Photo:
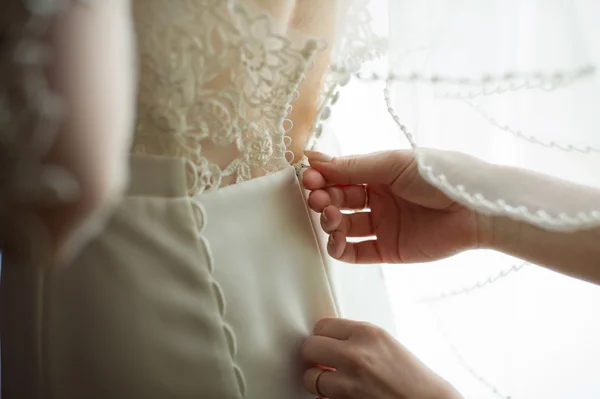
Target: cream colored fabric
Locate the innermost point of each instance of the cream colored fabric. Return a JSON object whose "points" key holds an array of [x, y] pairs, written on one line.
{"points": [[178, 298], [195, 289], [272, 276]]}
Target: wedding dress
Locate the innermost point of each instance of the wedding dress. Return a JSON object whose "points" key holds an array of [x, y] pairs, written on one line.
{"points": [[210, 273], [207, 275]]}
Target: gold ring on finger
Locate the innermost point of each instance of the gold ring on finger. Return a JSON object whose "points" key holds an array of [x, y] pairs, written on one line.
{"points": [[366, 206], [317, 378]]}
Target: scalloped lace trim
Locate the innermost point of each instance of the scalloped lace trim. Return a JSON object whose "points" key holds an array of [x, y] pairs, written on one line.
{"points": [[537, 217]]}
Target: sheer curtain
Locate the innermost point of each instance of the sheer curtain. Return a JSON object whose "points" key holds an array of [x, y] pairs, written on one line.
{"points": [[512, 327], [494, 326]]}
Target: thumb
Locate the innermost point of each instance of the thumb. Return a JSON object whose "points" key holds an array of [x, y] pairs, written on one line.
{"points": [[376, 168]]}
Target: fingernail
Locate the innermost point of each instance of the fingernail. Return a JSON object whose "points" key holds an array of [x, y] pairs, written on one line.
{"points": [[317, 156], [324, 216], [331, 240], [300, 175]]}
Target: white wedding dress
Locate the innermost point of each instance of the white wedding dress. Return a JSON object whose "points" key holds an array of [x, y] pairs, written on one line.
{"points": [[210, 273], [204, 277]]}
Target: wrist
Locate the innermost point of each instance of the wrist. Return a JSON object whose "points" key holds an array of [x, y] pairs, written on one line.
{"points": [[498, 232], [485, 225]]}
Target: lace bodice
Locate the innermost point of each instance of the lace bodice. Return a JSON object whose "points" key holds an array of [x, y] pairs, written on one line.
{"points": [[217, 82]]}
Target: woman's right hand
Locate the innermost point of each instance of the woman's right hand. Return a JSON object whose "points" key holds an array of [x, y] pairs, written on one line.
{"points": [[412, 221]]}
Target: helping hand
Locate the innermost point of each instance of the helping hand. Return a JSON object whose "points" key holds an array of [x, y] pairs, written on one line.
{"points": [[364, 361], [411, 220]]}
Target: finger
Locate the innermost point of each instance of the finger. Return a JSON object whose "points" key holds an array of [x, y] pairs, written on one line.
{"points": [[313, 180], [353, 252], [322, 351], [351, 225], [334, 327], [324, 383], [318, 200], [331, 219], [351, 197], [380, 167]]}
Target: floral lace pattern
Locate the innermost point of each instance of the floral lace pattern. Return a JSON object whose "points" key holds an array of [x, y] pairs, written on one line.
{"points": [[218, 79], [217, 83]]}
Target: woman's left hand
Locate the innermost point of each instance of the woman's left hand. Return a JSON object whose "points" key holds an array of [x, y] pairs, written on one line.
{"points": [[364, 361]]}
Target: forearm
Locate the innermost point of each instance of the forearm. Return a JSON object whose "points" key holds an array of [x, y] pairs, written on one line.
{"points": [[576, 254]]}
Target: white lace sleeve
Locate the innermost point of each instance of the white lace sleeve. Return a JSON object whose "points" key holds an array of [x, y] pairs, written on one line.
{"points": [[66, 107], [510, 83]]}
